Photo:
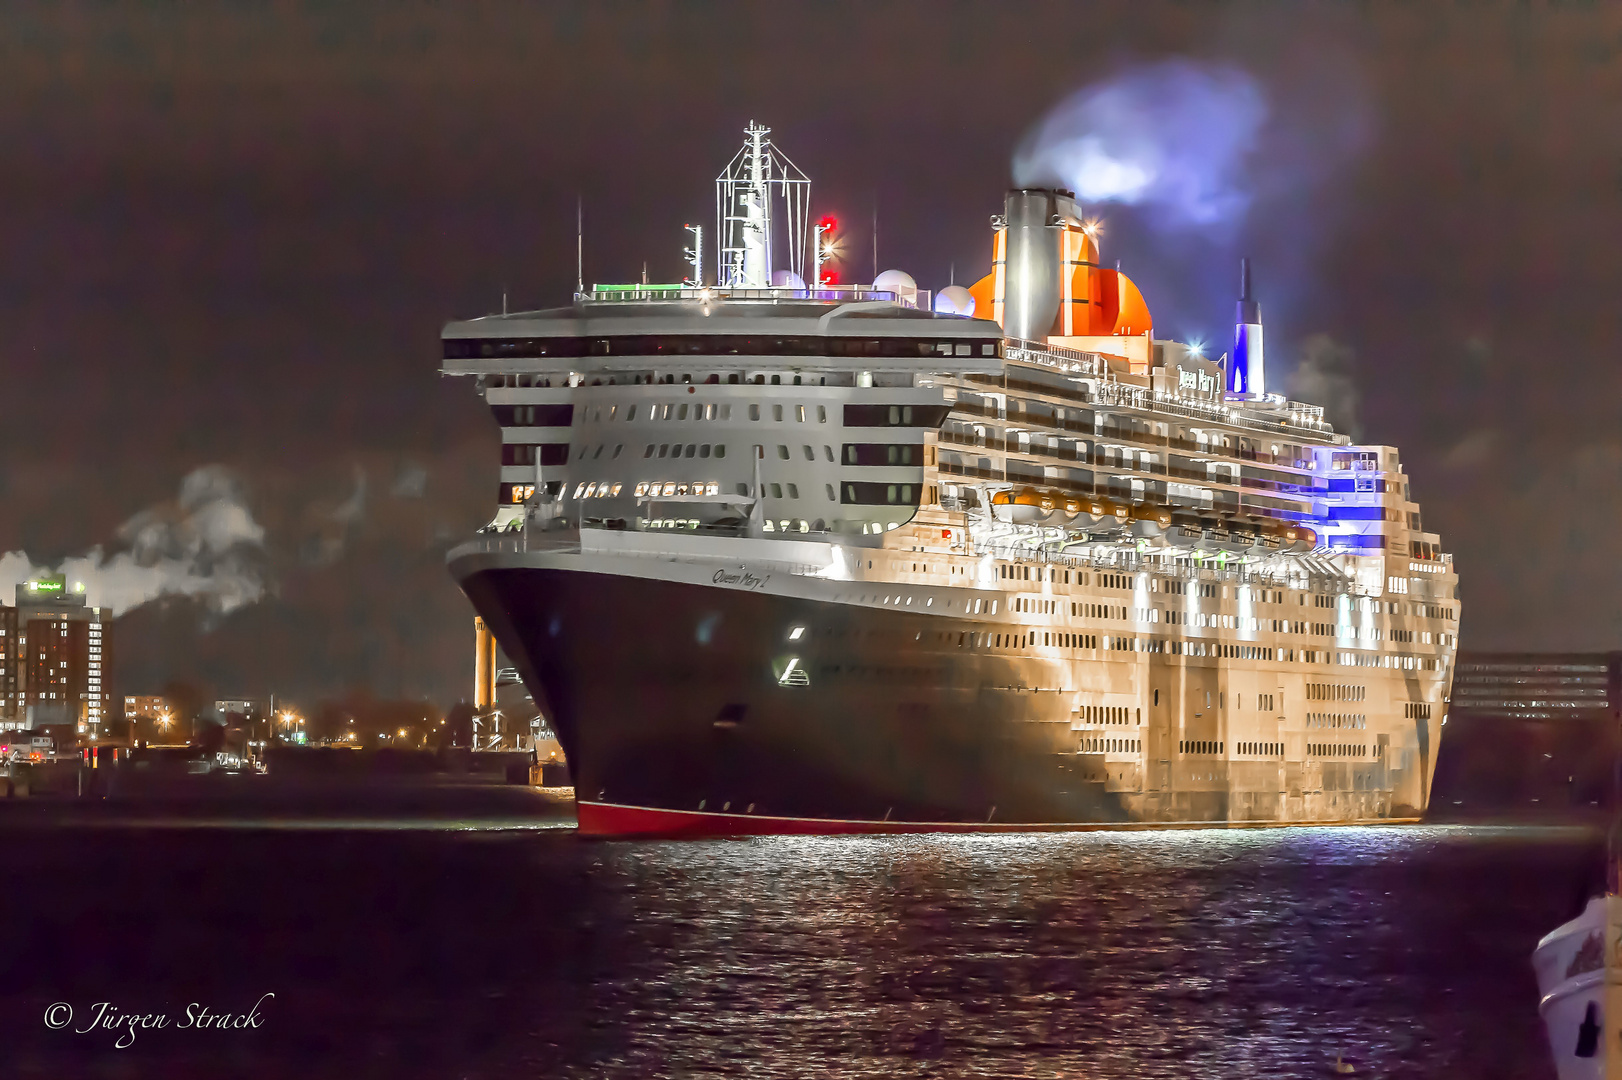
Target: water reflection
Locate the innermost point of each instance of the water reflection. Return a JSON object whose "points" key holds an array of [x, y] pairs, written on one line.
{"points": [[1234, 952], [448, 947]]}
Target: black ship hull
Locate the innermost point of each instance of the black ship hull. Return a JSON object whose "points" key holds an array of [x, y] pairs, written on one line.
{"points": [[680, 713]]}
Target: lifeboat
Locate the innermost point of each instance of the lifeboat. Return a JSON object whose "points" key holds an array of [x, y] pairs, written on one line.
{"points": [[1023, 506], [1242, 535], [1090, 514], [1271, 537], [1185, 530], [1293, 539], [1114, 519], [1213, 534], [1149, 520]]}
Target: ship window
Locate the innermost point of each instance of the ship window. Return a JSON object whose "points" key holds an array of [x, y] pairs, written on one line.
{"points": [[782, 451], [743, 489], [598, 454], [630, 413], [828, 452], [830, 488], [794, 492], [777, 380], [777, 413], [720, 450], [754, 412], [726, 412], [691, 450], [704, 451], [664, 449], [681, 412], [777, 491], [810, 454], [617, 448], [799, 410], [822, 414]]}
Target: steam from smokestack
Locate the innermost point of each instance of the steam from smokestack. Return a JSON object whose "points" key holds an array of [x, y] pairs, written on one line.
{"points": [[1195, 163], [205, 545], [1173, 137]]}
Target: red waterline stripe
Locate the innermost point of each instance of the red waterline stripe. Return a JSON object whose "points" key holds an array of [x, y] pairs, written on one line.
{"points": [[615, 820]]}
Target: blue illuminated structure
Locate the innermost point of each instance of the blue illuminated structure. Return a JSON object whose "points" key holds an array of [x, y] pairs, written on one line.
{"points": [[1246, 374]]}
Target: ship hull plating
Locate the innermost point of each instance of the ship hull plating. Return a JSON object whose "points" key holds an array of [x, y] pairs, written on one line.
{"points": [[686, 709]]}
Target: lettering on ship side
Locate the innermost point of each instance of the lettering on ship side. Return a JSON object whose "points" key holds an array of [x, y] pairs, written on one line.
{"points": [[743, 579]]}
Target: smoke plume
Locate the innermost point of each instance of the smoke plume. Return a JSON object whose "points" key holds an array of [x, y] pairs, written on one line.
{"points": [[1173, 137], [1195, 163], [205, 545]]}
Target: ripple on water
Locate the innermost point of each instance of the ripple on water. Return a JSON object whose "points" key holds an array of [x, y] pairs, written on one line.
{"points": [[1235, 952]]}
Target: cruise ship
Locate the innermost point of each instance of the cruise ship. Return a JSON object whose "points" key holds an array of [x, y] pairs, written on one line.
{"points": [[777, 557]]}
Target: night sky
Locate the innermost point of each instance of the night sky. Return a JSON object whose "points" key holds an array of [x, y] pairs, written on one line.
{"points": [[230, 238]]}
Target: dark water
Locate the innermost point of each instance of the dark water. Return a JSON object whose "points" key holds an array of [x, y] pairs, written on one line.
{"points": [[410, 948]]}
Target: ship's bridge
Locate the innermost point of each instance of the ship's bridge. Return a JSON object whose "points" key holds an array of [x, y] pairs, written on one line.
{"points": [[837, 335], [769, 411]]}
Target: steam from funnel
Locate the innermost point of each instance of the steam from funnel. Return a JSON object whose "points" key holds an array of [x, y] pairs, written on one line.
{"points": [[1172, 137], [1197, 163], [205, 545]]}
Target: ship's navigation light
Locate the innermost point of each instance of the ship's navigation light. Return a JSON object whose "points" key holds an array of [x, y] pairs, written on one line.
{"points": [[825, 248], [796, 633]]}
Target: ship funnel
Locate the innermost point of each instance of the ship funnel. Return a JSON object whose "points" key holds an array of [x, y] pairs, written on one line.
{"points": [[1034, 259], [1247, 375]]}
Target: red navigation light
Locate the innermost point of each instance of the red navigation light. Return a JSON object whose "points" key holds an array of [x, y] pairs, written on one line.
{"points": [[829, 223]]}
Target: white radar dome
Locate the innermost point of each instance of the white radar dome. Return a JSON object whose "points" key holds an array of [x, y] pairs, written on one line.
{"points": [[897, 281], [954, 300], [787, 279]]}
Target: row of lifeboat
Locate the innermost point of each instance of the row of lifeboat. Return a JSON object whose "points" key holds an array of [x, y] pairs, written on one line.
{"points": [[1105, 519]]}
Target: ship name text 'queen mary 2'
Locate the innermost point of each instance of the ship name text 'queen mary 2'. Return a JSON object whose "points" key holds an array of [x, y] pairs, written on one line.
{"points": [[777, 557]]}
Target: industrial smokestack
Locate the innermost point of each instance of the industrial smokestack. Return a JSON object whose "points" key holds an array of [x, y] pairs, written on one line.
{"points": [[484, 666], [1247, 374]]}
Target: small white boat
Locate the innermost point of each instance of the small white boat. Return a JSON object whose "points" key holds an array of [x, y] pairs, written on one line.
{"points": [[1579, 975]]}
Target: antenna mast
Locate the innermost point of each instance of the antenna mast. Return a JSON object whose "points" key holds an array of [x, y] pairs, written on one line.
{"points": [[757, 176], [579, 245], [695, 254]]}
